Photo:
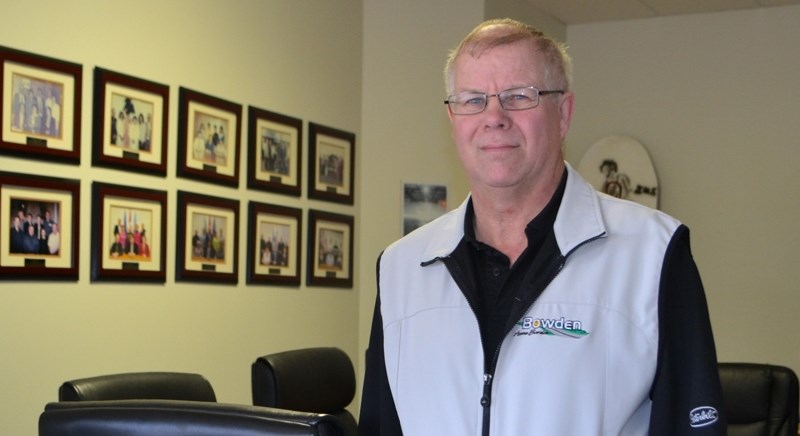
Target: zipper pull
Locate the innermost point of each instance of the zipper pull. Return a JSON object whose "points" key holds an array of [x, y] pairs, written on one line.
{"points": [[486, 399]]}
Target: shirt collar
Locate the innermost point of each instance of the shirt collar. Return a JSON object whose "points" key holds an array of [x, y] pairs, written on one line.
{"points": [[542, 222]]}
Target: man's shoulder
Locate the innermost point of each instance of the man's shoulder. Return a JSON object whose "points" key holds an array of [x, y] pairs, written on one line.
{"points": [[437, 236]]}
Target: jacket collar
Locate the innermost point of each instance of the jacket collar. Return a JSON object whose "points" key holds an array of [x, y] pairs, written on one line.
{"points": [[578, 220]]}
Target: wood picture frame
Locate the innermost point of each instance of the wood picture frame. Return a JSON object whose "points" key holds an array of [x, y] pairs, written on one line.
{"points": [[41, 107], [274, 144], [207, 247], [129, 236], [208, 138], [41, 216], [330, 249], [331, 164], [274, 242], [130, 123]]}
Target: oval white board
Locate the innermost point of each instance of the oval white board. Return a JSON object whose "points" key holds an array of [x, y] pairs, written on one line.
{"points": [[621, 167]]}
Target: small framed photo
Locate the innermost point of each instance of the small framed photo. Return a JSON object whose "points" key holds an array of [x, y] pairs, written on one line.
{"points": [[40, 222], [274, 143], [208, 138], [330, 249], [41, 107], [130, 123], [208, 240], [331, 164], [422, 203], [129, 233], [273, 244]]}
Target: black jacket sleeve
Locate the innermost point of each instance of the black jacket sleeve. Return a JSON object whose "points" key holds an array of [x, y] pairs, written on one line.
{"points": [[378, 413], [686, 392]]}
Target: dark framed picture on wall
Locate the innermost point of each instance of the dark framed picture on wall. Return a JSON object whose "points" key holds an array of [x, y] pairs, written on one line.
{"points": [[41, 107], [207, 244], [130, 123], [331, 164], [128, 233], [273, 244], [330, 249], [208, 138], [40, 222], [274, 143]]}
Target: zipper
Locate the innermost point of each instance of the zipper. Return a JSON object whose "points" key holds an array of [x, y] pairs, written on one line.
{"points": [[486, 402], [490, 366]]}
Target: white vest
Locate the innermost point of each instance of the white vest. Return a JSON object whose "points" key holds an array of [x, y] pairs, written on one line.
{"points": [[580, 362]]}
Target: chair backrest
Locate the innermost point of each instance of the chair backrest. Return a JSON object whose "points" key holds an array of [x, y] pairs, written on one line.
{"points": [[760, 399], [172, 417], [139, 386], [320, 380]]}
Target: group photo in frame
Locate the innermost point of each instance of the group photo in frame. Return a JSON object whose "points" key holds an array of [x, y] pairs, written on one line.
{"points": [[130, 123], [330, 249], [128, 233], [208, 138], [41, 107], [208, 239], [274, 144], [40, 227], [273, 244], [331, 164]]}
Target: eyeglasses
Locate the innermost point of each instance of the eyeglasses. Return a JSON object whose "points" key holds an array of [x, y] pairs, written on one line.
{"points": [[516, 99]]}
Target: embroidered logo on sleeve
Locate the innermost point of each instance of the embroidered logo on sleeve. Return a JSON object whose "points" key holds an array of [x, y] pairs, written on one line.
{"points": [[703, 416], [551, 327]]}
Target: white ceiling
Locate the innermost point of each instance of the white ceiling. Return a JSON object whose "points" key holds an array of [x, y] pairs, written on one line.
{"points": [[588, 11]]}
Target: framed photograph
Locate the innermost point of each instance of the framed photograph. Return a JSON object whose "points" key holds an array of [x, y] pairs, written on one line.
{"points": [[274, 143], [128, 233], [330, 249], [273, 244], [41, 100], [331, 164], [208, 138], [208, 239], [130, 123], [40, 221], [422, 203]]}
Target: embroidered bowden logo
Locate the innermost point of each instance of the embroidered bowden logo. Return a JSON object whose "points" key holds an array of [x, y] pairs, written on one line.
{"points": [[551, 327]]}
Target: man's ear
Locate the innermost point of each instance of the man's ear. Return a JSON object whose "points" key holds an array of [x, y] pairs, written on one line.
{"points": [[566, 108]]}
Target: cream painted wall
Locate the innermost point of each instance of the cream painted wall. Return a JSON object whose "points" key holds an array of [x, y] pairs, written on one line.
{"points": [[253, 52], [524, 11], [405, 132], [714, 98]]}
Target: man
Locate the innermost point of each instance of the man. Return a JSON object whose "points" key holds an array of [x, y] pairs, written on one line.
{"points": [[17, 236], [539, 306]]}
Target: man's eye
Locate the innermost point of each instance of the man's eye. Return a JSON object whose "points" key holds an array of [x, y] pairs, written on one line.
{"points": [[475, 101], [518, 97]]}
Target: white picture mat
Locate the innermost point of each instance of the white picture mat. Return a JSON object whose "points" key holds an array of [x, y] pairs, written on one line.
{"points": [[291, 268], [109, 149], [229, 168], [329, 145], [67, 105], [321, 226], [64, 258], [290, 134], [153, 231], [230, 242]]}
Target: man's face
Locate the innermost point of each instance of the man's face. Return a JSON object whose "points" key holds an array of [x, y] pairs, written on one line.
{"points": [[509, 149]]}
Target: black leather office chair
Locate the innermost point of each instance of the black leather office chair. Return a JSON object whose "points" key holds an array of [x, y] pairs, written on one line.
{"points": [[760, 399], [139, 385], [320, 380], [172, 417]]}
